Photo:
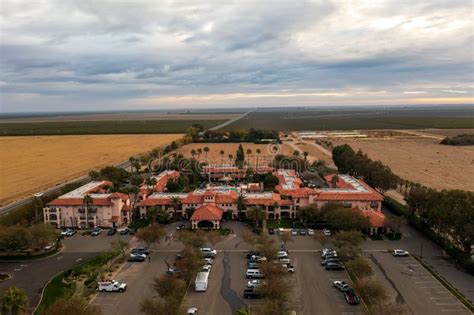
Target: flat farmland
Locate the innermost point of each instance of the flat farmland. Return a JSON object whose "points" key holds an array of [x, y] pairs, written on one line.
{"points": [[214, 156], [421, 160], [30, 164]]}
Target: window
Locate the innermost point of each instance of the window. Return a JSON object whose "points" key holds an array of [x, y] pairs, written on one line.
{"points": [[53, 217], [374, 204], [347, 204]]}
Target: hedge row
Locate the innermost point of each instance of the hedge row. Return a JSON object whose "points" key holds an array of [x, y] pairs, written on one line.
{"points": [[453, 251]]}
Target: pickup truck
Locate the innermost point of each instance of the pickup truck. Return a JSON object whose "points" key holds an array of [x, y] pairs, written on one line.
{"points": [[111, 286]]}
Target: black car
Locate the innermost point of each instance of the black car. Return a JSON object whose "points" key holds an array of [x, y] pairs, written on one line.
{"points": [[351, 297], [325, 261], [302, 232], [271, 231], [250, 293], [124, 231], [181, 227], [112, 231], [140, 250], [138, 258], [334, 266], [251, 253]]}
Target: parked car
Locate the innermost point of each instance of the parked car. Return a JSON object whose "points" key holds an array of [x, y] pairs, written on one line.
{"points": [[258, 258], [141, 250], [325, 261], [331, 252], [111, 286], [136, 257], [284, 260], [254, 274], [192, 311], [123, 231], [208, 261], [68, 232], [294, 232], [334, 266], [208, 252], [112, 231], [302, 232], [251, 253], [290, 268], [181, 226], [96, 232], [351, 297], [326, 232], [172, 270], [254, 283], [206, 268], [282, 254], [310, 232], [271, 231], [400, 253], [251, 293], [252, 265], [341, 285]]}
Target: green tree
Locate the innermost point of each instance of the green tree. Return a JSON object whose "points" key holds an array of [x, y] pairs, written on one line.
{"points": [[206, 151], [14, 301], [308, 214], [14, 238], [120, 246], [94, 175], [150, 182], [305, 155], [241, 201], [222, 156], [176, 204], [239, 156], [150, 234], [371, 291], [42, 235], [87, 202], [359, 267], [341, 218], [256, 215], [257, 154]]}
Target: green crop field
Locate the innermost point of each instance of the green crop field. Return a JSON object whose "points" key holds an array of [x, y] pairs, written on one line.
{"points": [[102, 127], [352, 120]]}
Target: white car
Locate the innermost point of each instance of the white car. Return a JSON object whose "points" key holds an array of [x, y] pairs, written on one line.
{"points": [[310, 232], [282, 254], [138, 254], [207, 250], [294, 232], [284, 260], [192, 311], [400, 253], [341, 285], [254, 283], [327, 232], [206, 268], [258, 258]]}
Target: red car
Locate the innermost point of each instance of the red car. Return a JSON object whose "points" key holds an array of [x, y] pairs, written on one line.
{"points": [[351, 297]]}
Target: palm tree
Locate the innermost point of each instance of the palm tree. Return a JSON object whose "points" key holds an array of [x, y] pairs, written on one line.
{"points": [[193, 153], [230, 158], [150, 182], [87, 202], [136, 165], [305, 154], [14, 301], [258, 151], [241, 200], [131, 160], [256, 214], [175, 202], [296, 153], [249, 153], [222, 156], [199, 152], [206, 151]]}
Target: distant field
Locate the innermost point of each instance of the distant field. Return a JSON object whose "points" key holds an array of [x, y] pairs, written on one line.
{"points": [[357, 119], [352, 123], [421, 160], [447, 132], [30, 164], [102, 127]]}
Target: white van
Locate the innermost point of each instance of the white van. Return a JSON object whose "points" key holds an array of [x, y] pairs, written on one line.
{"points": [[202, 279], [111, 286], [254, 274]]}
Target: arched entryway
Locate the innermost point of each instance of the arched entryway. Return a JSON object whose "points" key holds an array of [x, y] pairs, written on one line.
{"points": [[205, 224]]}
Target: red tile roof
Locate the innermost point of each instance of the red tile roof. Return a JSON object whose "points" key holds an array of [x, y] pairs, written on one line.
{"points": [[340, 182], [117, 195], [377, 219], [207, 212], [346, 196], [150, 202]]}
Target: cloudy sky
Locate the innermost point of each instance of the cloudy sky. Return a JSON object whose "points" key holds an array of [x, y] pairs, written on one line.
{"points": [[101, 55]]}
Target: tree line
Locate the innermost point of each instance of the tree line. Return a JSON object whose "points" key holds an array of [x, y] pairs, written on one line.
{"points": [[358, 164], [463, 139]]}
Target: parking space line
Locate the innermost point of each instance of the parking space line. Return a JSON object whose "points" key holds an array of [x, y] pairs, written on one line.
{"points": [[447, 304]]}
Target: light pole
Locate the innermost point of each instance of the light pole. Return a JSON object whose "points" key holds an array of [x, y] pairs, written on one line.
{"points": [[36, 198]]}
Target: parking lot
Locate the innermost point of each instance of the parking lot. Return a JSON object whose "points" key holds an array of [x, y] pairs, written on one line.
{"points": [[414, 287], [314, 286]]}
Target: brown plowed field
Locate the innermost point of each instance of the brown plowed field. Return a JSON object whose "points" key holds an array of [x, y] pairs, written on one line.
{"points": [[422, 160], [30, 164]]}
